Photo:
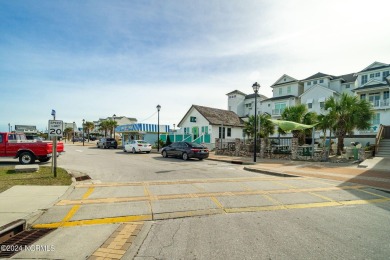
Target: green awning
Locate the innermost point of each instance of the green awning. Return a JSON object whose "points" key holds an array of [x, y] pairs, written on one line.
{"points": [[290, 126]]}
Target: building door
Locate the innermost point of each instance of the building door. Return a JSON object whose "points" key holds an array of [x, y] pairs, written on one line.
{"points": [[195, 132]]}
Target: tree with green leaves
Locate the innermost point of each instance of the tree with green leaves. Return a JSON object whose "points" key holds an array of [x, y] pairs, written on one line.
{"points": [[104, 126], [89, 126], [266, 128], [67, 132], [301, 115], [349, 113], [168, 141], [112, 124]]}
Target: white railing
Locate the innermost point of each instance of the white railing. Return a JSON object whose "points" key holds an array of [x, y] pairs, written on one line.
{"points": [[380, 103]]}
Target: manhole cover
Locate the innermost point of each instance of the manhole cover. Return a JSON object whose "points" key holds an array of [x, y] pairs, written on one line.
{"points": [[22, 241]]}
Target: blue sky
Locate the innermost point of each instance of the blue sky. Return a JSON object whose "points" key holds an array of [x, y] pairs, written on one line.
{"points": [[92, 59]]}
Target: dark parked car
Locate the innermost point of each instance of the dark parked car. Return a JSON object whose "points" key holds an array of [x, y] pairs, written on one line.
{"points": [[107, 143], [185, 150]]}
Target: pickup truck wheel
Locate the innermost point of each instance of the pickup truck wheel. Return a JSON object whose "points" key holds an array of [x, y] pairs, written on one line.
{"points": [[26, 158], [46, 159]]}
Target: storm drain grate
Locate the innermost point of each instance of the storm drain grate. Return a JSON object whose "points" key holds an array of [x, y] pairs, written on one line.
{"points": [[22, 241], [83, 178]]}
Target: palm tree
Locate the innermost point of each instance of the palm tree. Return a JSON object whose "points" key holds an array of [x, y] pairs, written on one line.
{"points": [[266, 129], [111, 125], [67, 132], [349, 113], [104, 126], [89, 126], [299, 114], [325, 122]]}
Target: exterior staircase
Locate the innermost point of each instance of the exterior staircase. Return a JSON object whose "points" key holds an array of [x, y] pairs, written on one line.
{"points": [[384, 148], [383, 142]]}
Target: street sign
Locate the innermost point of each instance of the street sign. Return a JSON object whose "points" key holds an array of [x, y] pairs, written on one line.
{"points": [[55, 128]]}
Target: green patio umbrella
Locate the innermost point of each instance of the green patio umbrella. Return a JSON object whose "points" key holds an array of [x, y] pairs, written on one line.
{"points": [[290, 126]]}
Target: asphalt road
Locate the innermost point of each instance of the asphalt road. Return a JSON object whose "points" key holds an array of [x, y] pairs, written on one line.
{"points": [[114, 165], [143, 206]]}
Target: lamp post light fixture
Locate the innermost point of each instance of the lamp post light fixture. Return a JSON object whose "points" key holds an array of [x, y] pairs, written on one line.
{"points": [[9, 127], [158, 127], [73, 132], [83, 131], [256, 87], [174, 132], [114, 124]]}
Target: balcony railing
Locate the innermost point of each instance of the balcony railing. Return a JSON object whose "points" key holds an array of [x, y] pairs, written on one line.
{"points": [[380, 103]]}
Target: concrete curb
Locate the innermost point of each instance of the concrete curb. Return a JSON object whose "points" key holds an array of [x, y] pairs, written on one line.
{"points": [[231, 161], [273, 173]]}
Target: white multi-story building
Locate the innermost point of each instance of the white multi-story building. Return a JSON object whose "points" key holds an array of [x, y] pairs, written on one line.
{"points": [[372, 84]]}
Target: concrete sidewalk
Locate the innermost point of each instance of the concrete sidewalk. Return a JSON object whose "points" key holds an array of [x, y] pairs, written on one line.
{"points": [[28, 202], [372, 172]]}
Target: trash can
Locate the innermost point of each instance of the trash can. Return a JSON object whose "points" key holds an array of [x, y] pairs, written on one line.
{"points": [[355, 153]]}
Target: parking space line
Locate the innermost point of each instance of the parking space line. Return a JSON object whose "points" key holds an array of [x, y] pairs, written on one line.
{"points": [[372, 193]]}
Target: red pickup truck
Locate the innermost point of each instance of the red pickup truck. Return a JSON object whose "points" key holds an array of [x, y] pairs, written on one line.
{"points": [[16, 145]]}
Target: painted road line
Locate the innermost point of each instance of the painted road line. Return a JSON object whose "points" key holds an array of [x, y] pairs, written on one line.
{"points": [[201, 195], [88, 192], [217, 202], [98, 221], [118, 243], [152, 183], [183, 214], [372, 193]]}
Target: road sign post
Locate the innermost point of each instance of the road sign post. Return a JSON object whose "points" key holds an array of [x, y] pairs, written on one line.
{"points": [[55, 130]]}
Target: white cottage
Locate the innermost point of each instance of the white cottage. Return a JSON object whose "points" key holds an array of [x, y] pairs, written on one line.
{"points": [[204, 124]]}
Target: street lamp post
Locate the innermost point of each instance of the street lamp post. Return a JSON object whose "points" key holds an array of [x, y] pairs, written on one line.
{"points": [[256, 88], [158, 127], [114, 124], [83, 131], [73, 132], [9, 127], [174, 132]]}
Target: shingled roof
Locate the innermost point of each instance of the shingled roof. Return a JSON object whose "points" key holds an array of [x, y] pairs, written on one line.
{"points": [[217, 116]]}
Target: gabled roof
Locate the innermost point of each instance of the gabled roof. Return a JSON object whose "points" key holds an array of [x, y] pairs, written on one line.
{"points": [[216, 116], [278, 82], [281, 97], [374, 66], [351, 77], [319, 75], [318, 86], [236, 92], [373, 84], [262, 97]]}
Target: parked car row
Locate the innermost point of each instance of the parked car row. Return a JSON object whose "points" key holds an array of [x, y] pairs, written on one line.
{"points": [[183, 150]]}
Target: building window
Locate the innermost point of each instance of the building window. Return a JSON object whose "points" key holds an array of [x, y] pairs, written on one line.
{"points": [[280, 91], [309, 103], [372, 75], [376, 119], [363, 96], [322, 105], [309, 83], [385, 74], [205, 129], [222, 132], [377, 75], [386, 95], [249, 105], [279, 107], [347, 85], [314, 82], [289, 89], [229, 132], [193, 119], [364, 79], [321, 81]]}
